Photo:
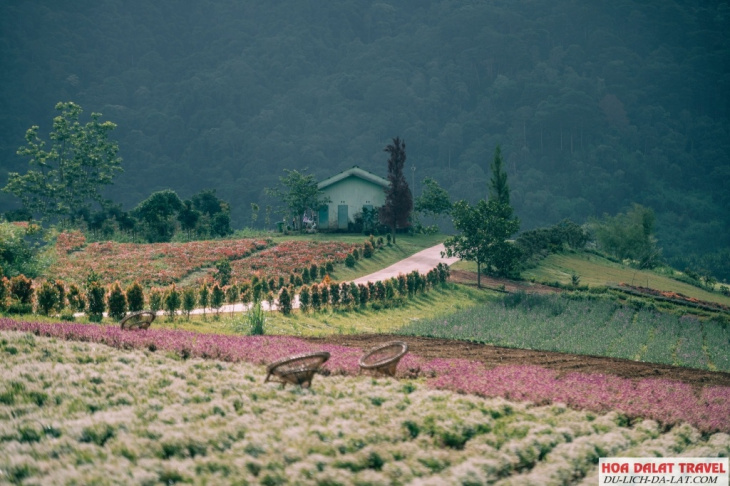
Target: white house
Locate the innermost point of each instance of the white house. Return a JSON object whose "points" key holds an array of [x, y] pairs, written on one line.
{"points": [[349, 192]]}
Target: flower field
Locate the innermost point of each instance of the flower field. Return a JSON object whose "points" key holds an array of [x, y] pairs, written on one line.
{"points": [[285, 257], [149, 264], [587, 326], [161, 264], [75, 412], [670, 403]]}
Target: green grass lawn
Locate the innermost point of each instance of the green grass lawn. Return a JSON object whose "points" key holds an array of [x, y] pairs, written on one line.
{"points": [[595, 271]]}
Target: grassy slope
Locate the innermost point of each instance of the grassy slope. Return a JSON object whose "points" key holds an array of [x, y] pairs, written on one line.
{"points": [[595, 271], [433, 304]]}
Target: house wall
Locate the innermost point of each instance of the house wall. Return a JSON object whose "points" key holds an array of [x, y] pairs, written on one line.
{"points": [[353, 192]]}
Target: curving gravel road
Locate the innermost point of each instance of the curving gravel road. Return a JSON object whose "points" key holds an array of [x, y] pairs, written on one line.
{"points": [[423, 261]]}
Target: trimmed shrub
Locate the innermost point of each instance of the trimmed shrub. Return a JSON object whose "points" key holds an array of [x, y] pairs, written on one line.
{"points": [[116, 302], [232, 294], [324, 293], [96, 304], [367, 250], [189, 299], [285, 301], [355, 293], [305, 276], [364, 294], [335, 294], [47, 298], [61, 289], [350, 261], [172, 301], [76, 300], [21, 288], [313, 271], [379, 291], [155, 297], [330, 267], [204, 296], [305, 299], [135, 297], [345, 295], [315, 297], [217, 297], [402, 284]]}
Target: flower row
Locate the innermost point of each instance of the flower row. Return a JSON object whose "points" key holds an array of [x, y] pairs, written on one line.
{"points": [[666, 401]]}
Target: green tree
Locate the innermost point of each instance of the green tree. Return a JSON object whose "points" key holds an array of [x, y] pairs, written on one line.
{"points": [[434, 200], [67, 178], [204, 297], [285, 301], [188, 301], [116, 302], [157, 213], [498, 187], [301, 194], [135, 297], [629, 236], [172, 301], [217, 297], [47, 298], [19, 250], [188, 218], [396, 211], [223, 272], [95, 296], [484, 229]]}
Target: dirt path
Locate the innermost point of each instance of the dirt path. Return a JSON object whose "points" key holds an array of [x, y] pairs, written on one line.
{"points": [[563, 363]]}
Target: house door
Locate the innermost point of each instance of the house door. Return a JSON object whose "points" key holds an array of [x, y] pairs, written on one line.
{"points": [[324, 217], [342, 216]]}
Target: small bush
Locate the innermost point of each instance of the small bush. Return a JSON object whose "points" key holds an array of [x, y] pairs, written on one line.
{"points": [[47, 298], [350, 261], [96, 304], [305, 299], [188, 301], [155, 297], [285, 301], [117, 302], [135, 297], [172, 301], [21, 288]]}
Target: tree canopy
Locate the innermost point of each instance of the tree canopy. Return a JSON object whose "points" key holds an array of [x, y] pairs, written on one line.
{"points": [[227, 94], [484, 231], [300, 194], [65, 179]]}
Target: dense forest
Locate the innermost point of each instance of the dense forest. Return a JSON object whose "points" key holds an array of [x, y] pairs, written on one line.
{"points": [[596, 105]]}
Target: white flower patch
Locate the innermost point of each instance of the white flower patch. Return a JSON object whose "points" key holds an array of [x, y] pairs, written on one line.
{"points": [[76, 412]]}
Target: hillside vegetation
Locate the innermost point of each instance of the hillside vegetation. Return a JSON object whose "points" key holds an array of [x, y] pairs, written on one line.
{"points": [[595, 106]]}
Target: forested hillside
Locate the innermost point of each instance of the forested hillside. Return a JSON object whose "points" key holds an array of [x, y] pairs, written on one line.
{"points": [[596, 104]]}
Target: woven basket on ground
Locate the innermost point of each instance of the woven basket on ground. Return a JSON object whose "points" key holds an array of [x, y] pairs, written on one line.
{"points": [[297, 370], [384, 359], [138, 320]]}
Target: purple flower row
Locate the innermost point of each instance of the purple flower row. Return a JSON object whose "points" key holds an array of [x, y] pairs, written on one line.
{"points": [[668, 402]]}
